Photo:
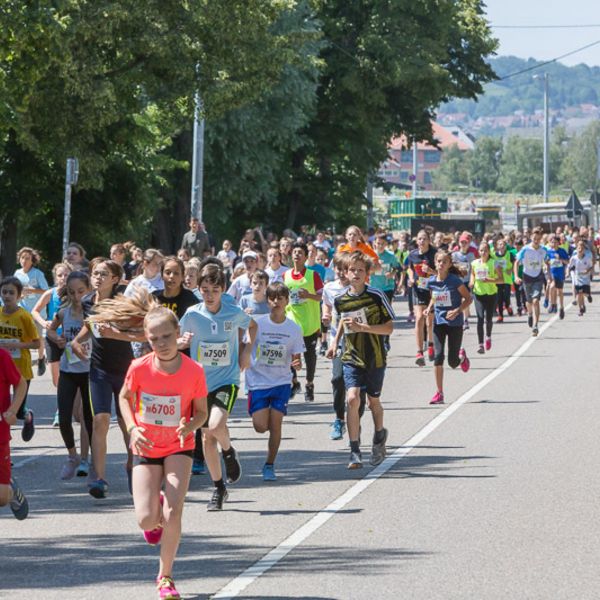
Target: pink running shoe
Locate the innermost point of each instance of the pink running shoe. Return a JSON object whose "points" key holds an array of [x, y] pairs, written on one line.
{"points": [[438, 398], [488, 343], [153, 536], [465, 365], [166, 588], [461, 354]]}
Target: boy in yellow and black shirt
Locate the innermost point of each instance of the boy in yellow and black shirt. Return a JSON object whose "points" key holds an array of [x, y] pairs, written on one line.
{"points": [[366, 322], [18, 334]]}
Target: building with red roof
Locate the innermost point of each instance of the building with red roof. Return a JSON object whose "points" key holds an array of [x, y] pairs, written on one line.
{"points": [[399, 166]]}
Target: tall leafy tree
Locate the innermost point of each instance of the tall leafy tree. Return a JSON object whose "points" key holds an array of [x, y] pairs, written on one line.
{"points": [[579, 169], [453, 173], [113, 82], [387, 66], [484, 164]]}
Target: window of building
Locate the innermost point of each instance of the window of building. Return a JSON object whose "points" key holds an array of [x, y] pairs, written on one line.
{"points": [[427, 177], [432, 156]]}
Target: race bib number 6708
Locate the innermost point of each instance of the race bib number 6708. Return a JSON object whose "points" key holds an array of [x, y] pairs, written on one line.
{"points": [[163, 411]]}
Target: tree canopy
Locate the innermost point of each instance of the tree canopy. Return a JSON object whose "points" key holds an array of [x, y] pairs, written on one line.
{"points": [[300, 101]]}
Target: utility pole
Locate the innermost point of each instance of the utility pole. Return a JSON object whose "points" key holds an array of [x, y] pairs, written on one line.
{"points": [[71, 177], [197, 161]]}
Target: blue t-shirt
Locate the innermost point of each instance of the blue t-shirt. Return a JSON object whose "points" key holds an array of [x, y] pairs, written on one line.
{"points": [[446, 297], [257, 308], [557, 267], [34, 278], [215, 344]]}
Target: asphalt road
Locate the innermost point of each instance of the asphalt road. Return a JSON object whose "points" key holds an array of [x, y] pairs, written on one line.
{"points": [[498, 498]]}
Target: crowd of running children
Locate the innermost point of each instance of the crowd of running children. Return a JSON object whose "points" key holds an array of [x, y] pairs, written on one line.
{"points": [[164, 339]]}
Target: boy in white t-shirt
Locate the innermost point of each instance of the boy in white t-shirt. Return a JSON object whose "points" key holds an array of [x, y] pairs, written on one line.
{"points": [[278, 346]]}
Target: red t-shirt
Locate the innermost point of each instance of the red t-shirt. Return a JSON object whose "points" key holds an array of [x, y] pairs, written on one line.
{"points": [[160, 400], [9, 376], [316, 278]]}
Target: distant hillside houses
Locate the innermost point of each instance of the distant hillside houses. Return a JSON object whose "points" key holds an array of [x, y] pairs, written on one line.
{"points": [[398, 168], [522, 124]]}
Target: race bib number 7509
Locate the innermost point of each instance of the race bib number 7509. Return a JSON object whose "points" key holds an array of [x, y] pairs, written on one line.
{"points": [[215, 354]]}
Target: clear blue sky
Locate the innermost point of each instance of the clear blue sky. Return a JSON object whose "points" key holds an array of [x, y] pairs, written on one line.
{"points": [[545, 44]]}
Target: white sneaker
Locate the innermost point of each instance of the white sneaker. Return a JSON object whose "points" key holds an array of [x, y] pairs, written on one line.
{"points": [[69, 468]]}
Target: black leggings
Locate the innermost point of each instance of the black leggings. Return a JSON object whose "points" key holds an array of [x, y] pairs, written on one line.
{"points": [[68, 384], [484, 306], [520, 296], [454, 335], [310, 356], [23, 408], [503, 297]]}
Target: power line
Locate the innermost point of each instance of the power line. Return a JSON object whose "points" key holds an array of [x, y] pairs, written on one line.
{"points": [[543, 64], [579, 26]]}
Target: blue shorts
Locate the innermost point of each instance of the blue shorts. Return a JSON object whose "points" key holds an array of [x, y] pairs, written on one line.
{"points": [[103, 388], [276, 398], [369, 379]]}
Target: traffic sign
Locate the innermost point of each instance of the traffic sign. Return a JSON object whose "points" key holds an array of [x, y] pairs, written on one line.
{"points": [[574, 206]]}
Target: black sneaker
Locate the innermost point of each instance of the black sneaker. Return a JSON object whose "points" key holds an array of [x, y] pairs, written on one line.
{"points": [[530, 320], [296, 389], [233, 468], [18, 504], [534, 332], [309, 393], [41, 366], [218, 497], [561, 314], [323, 349], [589, 297], [28, 426], [378, 451]]}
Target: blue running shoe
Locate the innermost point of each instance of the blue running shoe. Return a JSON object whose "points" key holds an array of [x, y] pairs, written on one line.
{"points": [[337, 430], [84, 469], [268, 473], [98, 488], [198, 467]]}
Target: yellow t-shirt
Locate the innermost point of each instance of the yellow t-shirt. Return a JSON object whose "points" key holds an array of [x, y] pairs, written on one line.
{"points": [[19, 326]]}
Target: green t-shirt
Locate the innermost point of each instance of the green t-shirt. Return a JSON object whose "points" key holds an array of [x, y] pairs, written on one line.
{"points": [[378, 279], [484, 270]]}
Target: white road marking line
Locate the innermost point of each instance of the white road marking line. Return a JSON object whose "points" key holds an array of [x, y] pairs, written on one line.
{"points": [[25, 461], [260, 567]]}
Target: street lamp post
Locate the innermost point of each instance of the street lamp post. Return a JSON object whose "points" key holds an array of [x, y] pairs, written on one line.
{"points": [[415, 157], [546, 140], [546, 136], [197, 161], [71, 178]]}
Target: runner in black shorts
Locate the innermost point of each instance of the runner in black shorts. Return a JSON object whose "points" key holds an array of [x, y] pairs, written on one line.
{"points": [[421, 266], [111, 357]]}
